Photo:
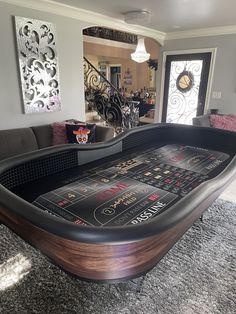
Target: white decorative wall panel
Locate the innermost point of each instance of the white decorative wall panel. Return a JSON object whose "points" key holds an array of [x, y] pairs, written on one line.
{"points": [[38, 64]]}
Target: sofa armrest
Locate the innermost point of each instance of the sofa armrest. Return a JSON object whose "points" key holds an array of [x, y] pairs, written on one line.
{"points": [[202, 121], [104, 133]]}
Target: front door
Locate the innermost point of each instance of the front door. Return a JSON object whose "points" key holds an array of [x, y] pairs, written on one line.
{"points": [[186, 80]]}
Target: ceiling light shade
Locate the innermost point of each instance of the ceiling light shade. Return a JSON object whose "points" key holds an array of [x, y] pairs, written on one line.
{"points": [[137, 17], [140, 55]]}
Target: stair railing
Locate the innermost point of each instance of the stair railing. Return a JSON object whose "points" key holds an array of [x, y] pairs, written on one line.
{"points": [[103, 97]]}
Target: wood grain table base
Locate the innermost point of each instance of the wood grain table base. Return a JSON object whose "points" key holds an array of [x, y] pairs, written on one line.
{"points": [[103, 262]]}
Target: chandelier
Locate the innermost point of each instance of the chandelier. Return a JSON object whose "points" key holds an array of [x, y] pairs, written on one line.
{"points": [[140, 55]]}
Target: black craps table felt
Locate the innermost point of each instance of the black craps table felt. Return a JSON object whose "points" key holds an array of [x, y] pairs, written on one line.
{"points": [[134, 188]]}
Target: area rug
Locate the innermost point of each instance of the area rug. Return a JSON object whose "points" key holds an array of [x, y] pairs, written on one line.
{"points": [[197, 276]]}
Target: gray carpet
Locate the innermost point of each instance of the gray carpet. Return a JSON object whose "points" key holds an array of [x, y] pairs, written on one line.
{"points": [[196, 276]]}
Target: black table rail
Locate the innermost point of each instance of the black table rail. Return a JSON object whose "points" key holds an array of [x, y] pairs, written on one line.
{"points": [[99, 247]]}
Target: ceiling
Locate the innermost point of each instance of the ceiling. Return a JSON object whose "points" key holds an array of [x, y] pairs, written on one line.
{"points": [[167, 15]]}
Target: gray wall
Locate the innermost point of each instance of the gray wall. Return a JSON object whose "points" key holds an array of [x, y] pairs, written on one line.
{"points": [[70, 54], [224, 76]]}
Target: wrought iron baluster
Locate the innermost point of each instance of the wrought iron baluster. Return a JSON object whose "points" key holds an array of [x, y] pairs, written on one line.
{"points": [[106, 99]]}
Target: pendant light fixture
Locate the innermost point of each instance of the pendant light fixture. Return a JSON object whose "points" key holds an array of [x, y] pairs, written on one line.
{"points": [[140, 55]]}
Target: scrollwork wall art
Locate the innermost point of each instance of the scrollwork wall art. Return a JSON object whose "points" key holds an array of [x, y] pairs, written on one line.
{"points": [[38, 64]]}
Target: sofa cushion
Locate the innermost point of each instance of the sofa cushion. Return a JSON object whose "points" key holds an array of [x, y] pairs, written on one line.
{"points": [[104, 133], [22, 140], [43, 134], [17, 141], [226, 122]]}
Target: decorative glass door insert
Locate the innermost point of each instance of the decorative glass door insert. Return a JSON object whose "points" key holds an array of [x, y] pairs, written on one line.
{"points": [[185, 87]]}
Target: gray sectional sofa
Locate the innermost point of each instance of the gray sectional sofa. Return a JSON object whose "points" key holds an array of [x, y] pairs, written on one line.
{"points": [[22, 140]]}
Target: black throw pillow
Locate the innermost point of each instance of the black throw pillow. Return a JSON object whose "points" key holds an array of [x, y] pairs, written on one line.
{"points": [[81, 133]]}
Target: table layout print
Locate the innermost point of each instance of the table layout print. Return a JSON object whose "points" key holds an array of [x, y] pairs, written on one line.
{"points": [[132, 189]]}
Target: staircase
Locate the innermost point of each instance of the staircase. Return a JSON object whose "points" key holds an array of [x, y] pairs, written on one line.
{"points": [[107, 101]]}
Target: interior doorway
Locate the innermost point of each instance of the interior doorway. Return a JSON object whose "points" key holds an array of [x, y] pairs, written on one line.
{"points": [[109, 52], [115, 75], [185, 86]]}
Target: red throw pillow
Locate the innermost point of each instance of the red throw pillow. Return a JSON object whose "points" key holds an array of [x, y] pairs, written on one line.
{"points": [[59, 133], [226, 122]]}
